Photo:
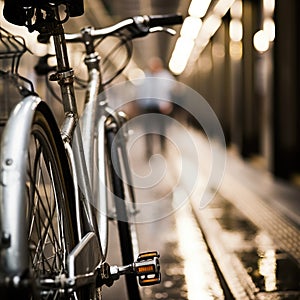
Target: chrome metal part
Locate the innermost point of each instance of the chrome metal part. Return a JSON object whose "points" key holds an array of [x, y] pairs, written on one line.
{"points": [[83, 261], [58, 76], [102, 201], [162, 29], [68, 127], [12, 181], [88, 120]]}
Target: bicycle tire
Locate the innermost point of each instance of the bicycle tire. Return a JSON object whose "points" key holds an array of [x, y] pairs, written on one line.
{"points": [[65, 206], [49, 210], [49, 198], [125, 238]]}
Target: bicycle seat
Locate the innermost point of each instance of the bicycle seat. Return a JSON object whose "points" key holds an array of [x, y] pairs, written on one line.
{"points": [[15, 11]]}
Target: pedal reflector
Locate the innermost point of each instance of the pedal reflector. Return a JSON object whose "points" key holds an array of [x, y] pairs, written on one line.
{"points": [[147, 268]]}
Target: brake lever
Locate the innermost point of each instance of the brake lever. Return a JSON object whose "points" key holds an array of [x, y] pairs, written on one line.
{"points": [[162, 29]]}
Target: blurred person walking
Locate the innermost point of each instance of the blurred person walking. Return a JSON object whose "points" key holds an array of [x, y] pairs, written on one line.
{"points": [[155, 95]]}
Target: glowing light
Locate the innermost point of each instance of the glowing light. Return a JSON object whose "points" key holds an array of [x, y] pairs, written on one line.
{"points": [[191, 27], [269, 28], [195, 30], [181, 54], [269, 6], [236, 10], [261, 41], [267, 260], [236, 50], [208, 29], [210, 26], [267, 268], [222, 7], [236, 30], [198, 8], [199, 275]]}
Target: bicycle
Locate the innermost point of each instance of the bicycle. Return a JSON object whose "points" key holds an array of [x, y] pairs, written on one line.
{"points": [[53, 181]]}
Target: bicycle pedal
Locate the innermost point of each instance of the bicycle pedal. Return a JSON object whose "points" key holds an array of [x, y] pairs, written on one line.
{"points": [[147, 268]]}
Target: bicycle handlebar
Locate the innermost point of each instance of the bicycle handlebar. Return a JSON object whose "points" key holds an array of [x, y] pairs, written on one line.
{"points": [[163, 20], [138, 26]]}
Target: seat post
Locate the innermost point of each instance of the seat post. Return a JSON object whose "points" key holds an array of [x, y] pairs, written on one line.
{"points": [[64, 76]]}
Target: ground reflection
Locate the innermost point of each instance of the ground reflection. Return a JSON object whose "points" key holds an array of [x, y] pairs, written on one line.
{"points": [[200, 276], [267, 265]]}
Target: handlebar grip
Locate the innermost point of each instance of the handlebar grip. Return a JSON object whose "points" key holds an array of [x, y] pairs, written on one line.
{"points": [[163, 20]]}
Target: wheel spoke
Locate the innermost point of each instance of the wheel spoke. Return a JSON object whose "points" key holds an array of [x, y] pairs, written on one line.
{"points": [[44, 217], [45, 190]]}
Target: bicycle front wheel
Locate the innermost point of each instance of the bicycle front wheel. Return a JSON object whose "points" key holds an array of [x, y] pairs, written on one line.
{"points": [[49, 195]]}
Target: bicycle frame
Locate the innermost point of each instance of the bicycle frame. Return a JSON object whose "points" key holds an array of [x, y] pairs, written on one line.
{"points": [[97, 117], [81, 156], [87, 256]]}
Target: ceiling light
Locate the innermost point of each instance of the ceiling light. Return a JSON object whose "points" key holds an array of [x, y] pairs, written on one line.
{"points": [[191, 27], [198, 8], [261, 41]]}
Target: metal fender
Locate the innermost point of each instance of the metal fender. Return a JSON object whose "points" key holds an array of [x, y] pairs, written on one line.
{"points": [[13, 157]]}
